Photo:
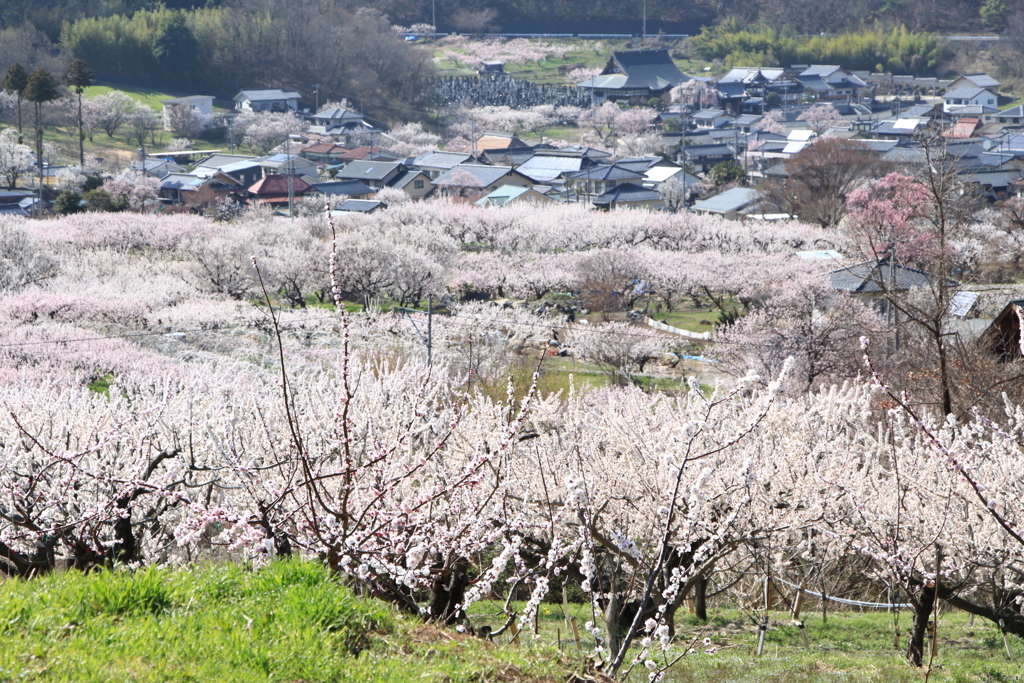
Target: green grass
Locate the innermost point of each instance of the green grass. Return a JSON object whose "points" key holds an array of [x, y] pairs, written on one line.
{"points": [[101, 384], [291, 621], [852, 647], [147, 96]]}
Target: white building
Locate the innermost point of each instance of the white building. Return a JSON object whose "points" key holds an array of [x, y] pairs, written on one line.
{"points": [[200, 103], [267, 100]]}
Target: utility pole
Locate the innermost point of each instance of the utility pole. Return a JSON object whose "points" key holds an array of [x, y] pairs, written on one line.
{"points": [[433, 17], [290, 170], [430, 329], [644, 34]]}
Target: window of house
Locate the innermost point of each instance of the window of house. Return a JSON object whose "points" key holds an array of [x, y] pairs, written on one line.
{"points": [[418, 184]]}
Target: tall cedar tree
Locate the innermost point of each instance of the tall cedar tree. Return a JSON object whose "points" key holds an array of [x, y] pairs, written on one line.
{"points": [[41, 87], [78, 77], [14, 83]]}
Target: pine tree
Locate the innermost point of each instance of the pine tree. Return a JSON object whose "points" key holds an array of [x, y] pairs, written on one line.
{"points": [[78, 77], [41, 87], [14, 83]]}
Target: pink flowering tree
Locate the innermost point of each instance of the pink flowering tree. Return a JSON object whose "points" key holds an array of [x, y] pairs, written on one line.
{"points": [[889, 219], [695, 94], [821, 117], [772, 122]]}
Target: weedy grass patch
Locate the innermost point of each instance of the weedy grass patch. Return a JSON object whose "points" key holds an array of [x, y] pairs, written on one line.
{"points": [[289, 621]]}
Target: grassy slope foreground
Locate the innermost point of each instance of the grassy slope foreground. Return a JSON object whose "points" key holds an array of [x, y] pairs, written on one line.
{"points": [[293, 622], [287, 622]]}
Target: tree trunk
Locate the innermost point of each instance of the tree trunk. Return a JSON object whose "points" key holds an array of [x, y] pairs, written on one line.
{"points": [[39, 156], [700, 598], [125, 548], [449, 590], [81, 135], [922, 612]]}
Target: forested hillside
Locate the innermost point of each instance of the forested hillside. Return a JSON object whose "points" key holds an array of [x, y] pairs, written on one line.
{"points": [[801, 15]]}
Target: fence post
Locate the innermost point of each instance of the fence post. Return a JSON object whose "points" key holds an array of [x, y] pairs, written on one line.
{"points": [[761, 630], [798, 601]]}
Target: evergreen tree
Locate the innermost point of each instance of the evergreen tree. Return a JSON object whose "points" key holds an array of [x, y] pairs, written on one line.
{"points": [[78, 77], [176, 50], [14, 83], [41, 87]]}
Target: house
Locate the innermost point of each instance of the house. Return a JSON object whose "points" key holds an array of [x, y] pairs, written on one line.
{"points": [[324, 153], [746, 83], [342, 124], [491, 68], [831, 83], [245, 169], [1013, 116], [993, 185], [413, 182], [956, 98], [513, 156], [978, 80], [635, 75], [599, 179], [359, 206], [644, 164], [657, 175], [702, 158], [711, 118], [275, 189], [745, 123], [267, 100], [157, 168], [287, 163], [903, 130], [329, 118], [1003, 334], [376, 174], [202, 104], [478, 178], [731, 204], [629, 196], [363, 153], [349, 188], [871, 279], [510, 194], [436, 163], [965, 127], [198, 189], [14, 210], [547, 168], [499, 141]]}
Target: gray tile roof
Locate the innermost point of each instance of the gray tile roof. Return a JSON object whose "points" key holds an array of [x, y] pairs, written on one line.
{"points": [[483, 175], [267, 95], [222, 160], [736, 199], [359, 205], [368, 170], [606, 173], [963, 92], [1013, 112], [874, 276], [544, 168], [651, 69], [627, 193], [347, 187], [439, 159], [982, 80]]}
